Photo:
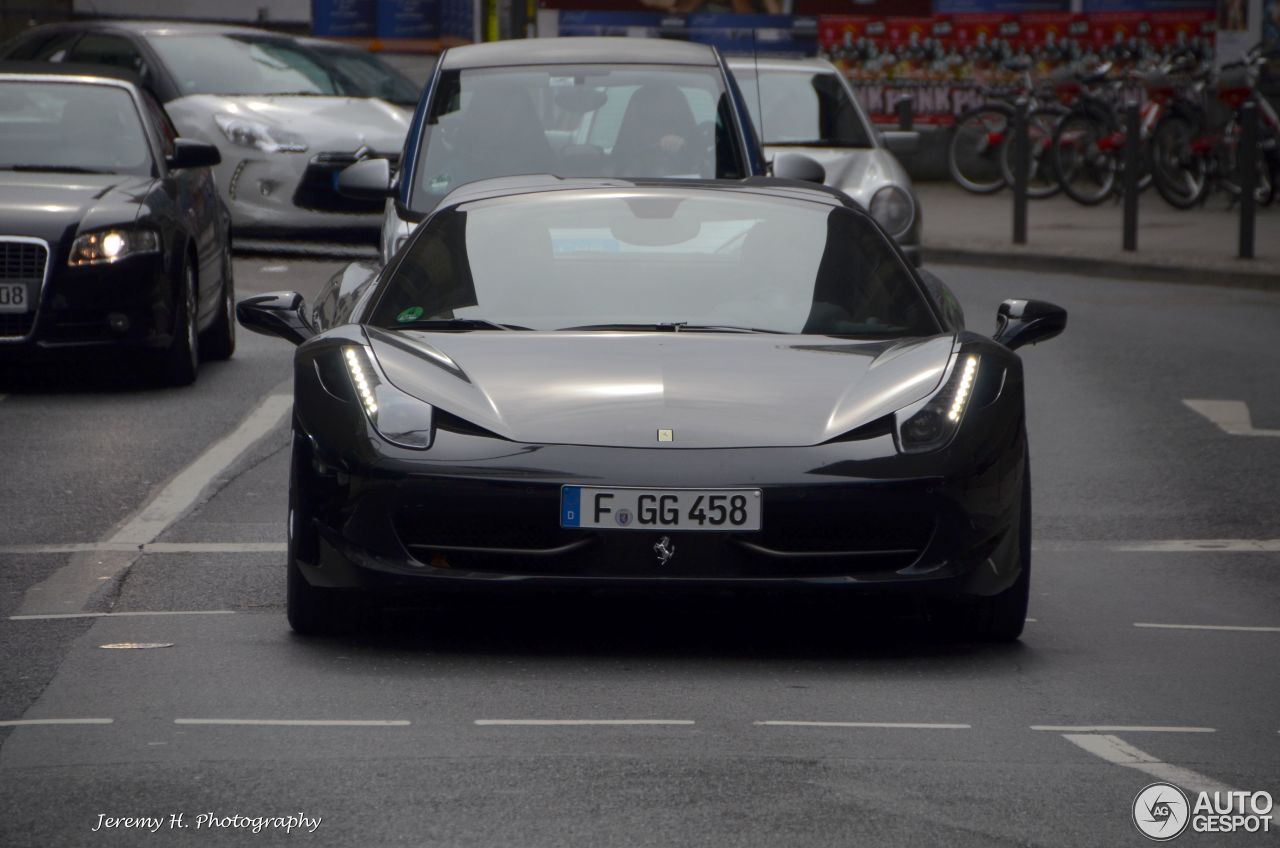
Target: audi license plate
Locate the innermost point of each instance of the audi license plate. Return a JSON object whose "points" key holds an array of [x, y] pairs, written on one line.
{"points": [[14, 297], [666, 509]]}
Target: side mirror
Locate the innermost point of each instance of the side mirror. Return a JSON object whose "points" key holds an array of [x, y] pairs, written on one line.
{"points": [[797, 166], [901, 142], [368, 179], [1024, 322], [189, 153], [276, 314]]}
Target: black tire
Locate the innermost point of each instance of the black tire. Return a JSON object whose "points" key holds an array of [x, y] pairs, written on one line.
{"points": [[1180, 176], [1087, 173], [998, 618], [218, 342], [312, 610], [1042, 176], [973, 152], [178, 364]]}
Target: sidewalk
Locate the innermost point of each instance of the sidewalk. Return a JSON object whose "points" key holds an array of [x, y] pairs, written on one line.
{"points": [[1196, 246]]}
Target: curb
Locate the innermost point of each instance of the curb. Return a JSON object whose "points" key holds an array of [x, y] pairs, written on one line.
{"points": [[1005, 258]]}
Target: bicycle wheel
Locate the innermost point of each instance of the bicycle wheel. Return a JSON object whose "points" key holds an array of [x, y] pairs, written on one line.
{"points": [[1229, 160], [973, 154], [1180, 174], [1085, 158], [1042, 173]]}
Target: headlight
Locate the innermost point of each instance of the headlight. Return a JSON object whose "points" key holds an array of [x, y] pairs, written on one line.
{"points": [[930, 424], [399, 418], [247, 132], [111, 246], [892, 208]]}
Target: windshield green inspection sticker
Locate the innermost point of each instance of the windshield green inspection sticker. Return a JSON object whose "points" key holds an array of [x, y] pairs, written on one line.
{"points": [[413, 313]]}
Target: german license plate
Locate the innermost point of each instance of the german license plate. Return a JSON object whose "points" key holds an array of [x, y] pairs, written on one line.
{"points": [[665, 509], [14, 297]]}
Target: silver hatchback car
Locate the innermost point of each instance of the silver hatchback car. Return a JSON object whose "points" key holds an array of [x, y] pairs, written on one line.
{"points": [[808, 107]]}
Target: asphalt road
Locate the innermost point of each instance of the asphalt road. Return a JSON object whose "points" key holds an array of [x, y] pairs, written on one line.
{"points": [[727, 722]]}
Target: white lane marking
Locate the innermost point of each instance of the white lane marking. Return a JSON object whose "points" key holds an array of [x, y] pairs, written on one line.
{"points": [[1234, 627], [896, 725], [1120, 728], [576, 722], [1231, 416], [150, 548], [1178, 546], [295, 722], [1121, 753], [28, 722], [47, 616], [278, 268], [183, 491]]}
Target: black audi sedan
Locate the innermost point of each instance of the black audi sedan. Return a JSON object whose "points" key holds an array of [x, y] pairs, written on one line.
{"points": [[654, 383], [112, 235]]}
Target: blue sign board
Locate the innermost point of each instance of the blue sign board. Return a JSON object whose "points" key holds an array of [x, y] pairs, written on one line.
{"points": [[343, 18], [408, 18]]}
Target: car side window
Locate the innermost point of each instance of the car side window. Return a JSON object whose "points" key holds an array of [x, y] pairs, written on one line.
{"points": [[112, 50], [49, 49]]}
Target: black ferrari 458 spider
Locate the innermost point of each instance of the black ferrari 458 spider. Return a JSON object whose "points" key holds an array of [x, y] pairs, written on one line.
{"points": [[654, 383]]}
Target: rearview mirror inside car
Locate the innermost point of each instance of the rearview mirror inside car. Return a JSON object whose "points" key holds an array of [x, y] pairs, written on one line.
{"points": [[368, 179], [797, 166], [189, 153], [281, 314], [1024, 322]]}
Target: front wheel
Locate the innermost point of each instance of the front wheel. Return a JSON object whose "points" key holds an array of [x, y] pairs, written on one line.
{"points": [[973, 153], [1179, 173], [1042, 174], [1085, 159], [177, 364]]}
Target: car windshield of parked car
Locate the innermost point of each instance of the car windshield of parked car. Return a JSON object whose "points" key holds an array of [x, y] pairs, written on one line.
{"points": [[576, 121], [803, 108], [243, 64], [632, 259], [365, 75], [71, 127]]}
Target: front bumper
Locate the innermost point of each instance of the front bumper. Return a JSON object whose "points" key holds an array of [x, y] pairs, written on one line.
{"points": [[485, 514], [128, 304], [279, 193]]}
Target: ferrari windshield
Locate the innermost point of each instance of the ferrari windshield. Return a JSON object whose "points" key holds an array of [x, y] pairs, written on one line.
{"points": [[71, 127], [575, 121], [802, 108], [637, 259]]}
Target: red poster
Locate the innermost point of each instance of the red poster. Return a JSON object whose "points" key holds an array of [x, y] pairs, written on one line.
{"points": [[1176, 28], [1049, 28], [1110, 28], [841, 31], [981, 29]]}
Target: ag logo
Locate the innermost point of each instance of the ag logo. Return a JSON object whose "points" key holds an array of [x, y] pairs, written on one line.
{"points": [[1161, 811]]}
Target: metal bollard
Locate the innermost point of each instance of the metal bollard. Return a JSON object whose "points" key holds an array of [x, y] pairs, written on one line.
{"points": [[1021, 157], [1131, 177], [1248, 175], [905, 107]]}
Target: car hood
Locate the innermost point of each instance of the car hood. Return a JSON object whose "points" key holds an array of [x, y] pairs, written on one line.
{"points": [[618, 389], [326, 123], [52, 205], [857, 171]]}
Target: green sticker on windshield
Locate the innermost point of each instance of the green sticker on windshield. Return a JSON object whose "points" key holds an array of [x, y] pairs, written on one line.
{"points": [[413, 313]]}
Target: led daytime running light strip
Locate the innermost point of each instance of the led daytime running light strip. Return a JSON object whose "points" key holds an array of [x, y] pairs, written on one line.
{"points": [[964, 389], [364, 382]]}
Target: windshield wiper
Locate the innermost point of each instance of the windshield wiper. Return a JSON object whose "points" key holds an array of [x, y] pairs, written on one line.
{"points": [[675, 327], [55, 169], [454, 324]]}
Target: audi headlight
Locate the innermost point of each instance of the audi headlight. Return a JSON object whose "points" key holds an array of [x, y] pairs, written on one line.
{"points": [[931, 423], [104, 246], [399, 418], [248, 132], [892, 208]]}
